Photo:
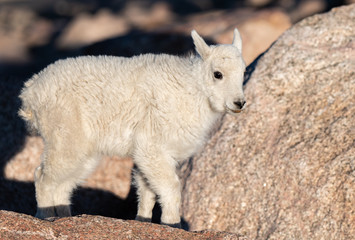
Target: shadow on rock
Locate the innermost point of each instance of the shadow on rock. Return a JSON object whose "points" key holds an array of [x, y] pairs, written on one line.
{"points": [[20, 197], [139, 42]]}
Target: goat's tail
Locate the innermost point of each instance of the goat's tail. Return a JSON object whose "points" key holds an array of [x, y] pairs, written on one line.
{"points": [[28, 115]]}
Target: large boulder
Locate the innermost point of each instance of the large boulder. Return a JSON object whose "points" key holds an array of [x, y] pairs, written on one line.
{"points": [[285, 167]]}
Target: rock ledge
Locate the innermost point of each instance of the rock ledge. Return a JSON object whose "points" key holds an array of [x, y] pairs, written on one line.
{"points": [[20, 226]]}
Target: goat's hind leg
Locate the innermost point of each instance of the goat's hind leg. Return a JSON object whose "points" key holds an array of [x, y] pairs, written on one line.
{"points": [[56, 178], [44, 197], [66, 160], [54, 183]]}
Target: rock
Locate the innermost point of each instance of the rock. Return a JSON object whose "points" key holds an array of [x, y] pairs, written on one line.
{"points": [[266, 25], [148, 15], [22, 166], [285, 167], [19, 226], [307, 8], [20, 29], [218, 26], [258, 3], [86, 29]]}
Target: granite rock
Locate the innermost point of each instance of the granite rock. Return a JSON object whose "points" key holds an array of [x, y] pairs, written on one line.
{"points": [[285, 167], [89, 28], [20, 226]]}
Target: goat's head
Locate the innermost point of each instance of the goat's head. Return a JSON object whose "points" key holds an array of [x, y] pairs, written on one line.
{"points": [[223, 72]]}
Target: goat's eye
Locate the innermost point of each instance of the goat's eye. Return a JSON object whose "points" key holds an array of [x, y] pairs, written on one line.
{"points": [[218, 75]]}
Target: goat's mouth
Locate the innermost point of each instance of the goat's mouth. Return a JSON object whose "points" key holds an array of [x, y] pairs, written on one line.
{"points": [[236, 110], [233, 111]]}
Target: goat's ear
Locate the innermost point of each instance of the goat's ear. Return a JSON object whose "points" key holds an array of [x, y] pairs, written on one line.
{"points": [[237, 40], [201, 47]]}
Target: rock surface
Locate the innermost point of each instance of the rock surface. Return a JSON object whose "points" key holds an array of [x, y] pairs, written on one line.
{"points": [[20, 226], [285, 167], [87, 29]]}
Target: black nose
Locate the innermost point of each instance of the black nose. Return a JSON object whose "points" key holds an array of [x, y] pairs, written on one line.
{"points": [[239, 104]]}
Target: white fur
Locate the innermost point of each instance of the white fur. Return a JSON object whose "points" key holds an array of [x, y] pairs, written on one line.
{"points": [[158, 109]]}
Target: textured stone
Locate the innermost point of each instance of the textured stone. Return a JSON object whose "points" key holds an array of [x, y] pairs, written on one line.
{"points": [[86, 29], [218, 26], [21, 29], [285, 167], [265, 25], [141, 16], [20, 226]]}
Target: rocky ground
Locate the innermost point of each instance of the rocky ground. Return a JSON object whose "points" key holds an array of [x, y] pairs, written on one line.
{"points": [[284, 169], [17, 226]]}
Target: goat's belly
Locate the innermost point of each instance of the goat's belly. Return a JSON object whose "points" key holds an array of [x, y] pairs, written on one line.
{"points": [[116, 145]]}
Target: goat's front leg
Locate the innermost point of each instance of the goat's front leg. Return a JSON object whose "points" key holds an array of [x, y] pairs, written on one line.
{"points": [[159, 171]]}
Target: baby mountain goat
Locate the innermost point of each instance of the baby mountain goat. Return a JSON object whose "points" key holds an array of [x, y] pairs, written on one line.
{"points": [[157, 109]]}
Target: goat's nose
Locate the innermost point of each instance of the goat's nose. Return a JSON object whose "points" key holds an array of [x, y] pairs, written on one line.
{"points": [[239, 103]]}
